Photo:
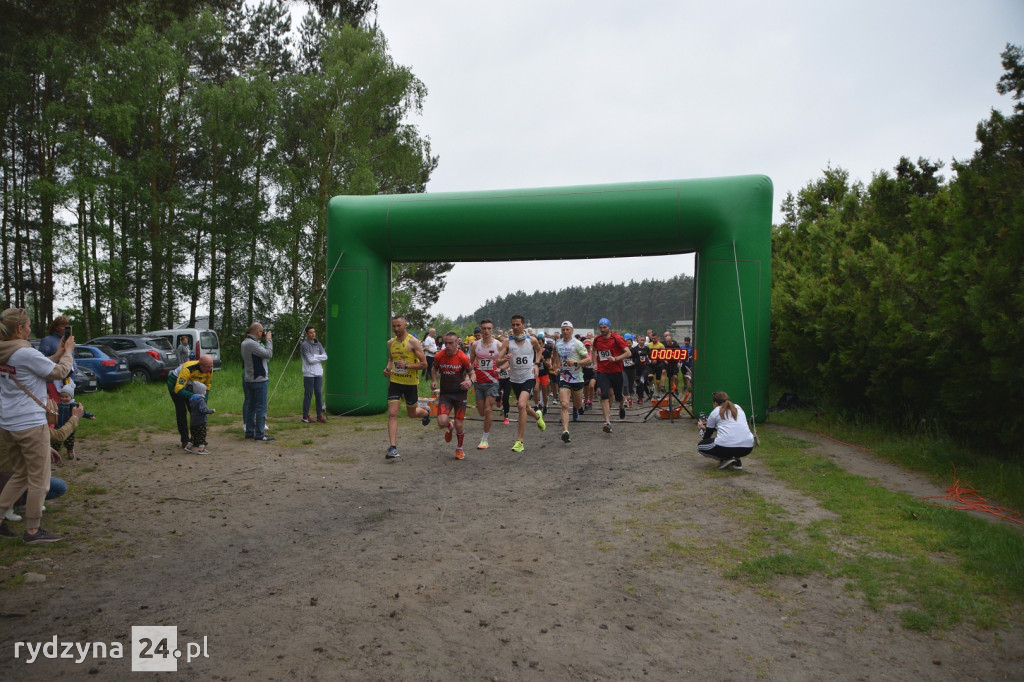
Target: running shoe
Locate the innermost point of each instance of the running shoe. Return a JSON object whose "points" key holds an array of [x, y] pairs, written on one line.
{"points": [[39, 537], [518, 446], [622, 412], [426, 420], [322, 419], [483, 444], [202, 450], [460, 453], [726, 463], [448, 433], [737, 464], [11, 516], [506, 420], [187, 447], [607, 427], [540, 422], [306, 419], [6, 532], [565, 436], [392, 453], [575, 414]]}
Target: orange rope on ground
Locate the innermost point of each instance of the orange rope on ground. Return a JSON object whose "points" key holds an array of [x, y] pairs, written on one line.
{"points": [[969, 499]]}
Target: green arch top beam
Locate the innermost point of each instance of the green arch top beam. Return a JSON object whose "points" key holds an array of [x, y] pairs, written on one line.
{"points": [[727, 221]]}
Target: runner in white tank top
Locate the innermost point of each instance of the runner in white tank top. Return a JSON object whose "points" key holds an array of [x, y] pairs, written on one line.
{"points": [[523, 354], [487, 357]]}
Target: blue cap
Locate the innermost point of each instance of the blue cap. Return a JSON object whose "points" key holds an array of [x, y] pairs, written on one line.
{"points": [[540, 335], [604, 321], [628, 337]]}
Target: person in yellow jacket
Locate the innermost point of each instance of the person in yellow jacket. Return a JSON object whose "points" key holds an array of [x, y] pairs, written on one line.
{"points": [[405, 360], [178, 379]]}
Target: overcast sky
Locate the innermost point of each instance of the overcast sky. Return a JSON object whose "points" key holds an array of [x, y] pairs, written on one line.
{"points": [[538, 93]]}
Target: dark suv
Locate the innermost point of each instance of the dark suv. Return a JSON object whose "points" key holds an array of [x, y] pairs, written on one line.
{"points": [[149, 358]]}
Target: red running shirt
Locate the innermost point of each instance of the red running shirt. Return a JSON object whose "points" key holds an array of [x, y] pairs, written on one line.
{"points": [[605, 348], [451, 369]]}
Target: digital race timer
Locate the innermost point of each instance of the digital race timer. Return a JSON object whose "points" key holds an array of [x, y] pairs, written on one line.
{"points": [[669, 355]]}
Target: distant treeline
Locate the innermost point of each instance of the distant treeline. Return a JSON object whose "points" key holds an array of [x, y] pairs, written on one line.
{"points": [[636, 306], [904, 299]]}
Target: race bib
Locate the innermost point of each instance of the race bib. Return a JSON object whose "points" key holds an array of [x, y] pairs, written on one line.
{"points": [[604, 355], [628, 362], [522, 360], [485, 364]]}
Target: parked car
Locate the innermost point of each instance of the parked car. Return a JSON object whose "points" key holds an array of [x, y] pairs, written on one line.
{"points": [[85, 380], [149, 358], [110, 368], [209, 342]]}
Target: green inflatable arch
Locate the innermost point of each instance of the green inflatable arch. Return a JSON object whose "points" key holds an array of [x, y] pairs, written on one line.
{"points": [[727, 221]]}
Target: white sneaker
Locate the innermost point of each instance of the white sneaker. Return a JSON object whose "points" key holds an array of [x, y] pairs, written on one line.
{"points": [[11, 516]]}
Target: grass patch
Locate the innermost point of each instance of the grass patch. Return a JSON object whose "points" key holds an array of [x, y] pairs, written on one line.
{"points": [[923, 448], [937, 566], [934, 567]]}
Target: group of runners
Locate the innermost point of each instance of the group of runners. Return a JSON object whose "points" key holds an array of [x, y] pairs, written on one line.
{"points": [[529, 368]]}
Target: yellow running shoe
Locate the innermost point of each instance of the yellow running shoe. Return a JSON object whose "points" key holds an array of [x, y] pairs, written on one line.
{"points": [[483, 445], [540, 422], [518, 447]]}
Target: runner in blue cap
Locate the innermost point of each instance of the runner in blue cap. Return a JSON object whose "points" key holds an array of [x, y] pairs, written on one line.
{"points": [[610, 349]]}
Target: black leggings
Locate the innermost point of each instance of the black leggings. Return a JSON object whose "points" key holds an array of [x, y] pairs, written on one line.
{"points": [[505, 385]]}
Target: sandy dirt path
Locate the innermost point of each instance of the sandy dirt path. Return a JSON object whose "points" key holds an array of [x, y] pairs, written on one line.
{"points": [[319, 560]]}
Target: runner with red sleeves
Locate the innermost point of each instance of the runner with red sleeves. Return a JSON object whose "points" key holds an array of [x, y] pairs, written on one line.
{"points": [[610, 350], [453, 370]]}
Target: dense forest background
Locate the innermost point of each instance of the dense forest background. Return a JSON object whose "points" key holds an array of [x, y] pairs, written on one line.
{"points": [[904, 299], [636, 306], [159, 158]]}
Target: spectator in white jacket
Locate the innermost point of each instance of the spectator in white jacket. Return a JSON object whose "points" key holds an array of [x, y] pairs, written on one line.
{"points": [[24, 411], [313, 355]]}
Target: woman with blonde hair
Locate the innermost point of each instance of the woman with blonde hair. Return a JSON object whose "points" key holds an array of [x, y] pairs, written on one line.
{"points": [[24, 432], [732, 439]]}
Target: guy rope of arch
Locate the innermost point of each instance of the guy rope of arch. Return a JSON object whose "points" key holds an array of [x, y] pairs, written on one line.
{"points": [[726, 221]]}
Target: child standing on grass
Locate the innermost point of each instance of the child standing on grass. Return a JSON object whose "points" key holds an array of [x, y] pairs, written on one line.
{"points": [[64, 407], [198, 409]]}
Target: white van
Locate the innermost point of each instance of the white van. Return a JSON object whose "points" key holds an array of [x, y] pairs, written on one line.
{"points": [[209, 342]]}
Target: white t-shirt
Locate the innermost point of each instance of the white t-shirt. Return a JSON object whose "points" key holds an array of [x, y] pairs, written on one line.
{"points": [[732, 433], [429, 345], [18, 411]]}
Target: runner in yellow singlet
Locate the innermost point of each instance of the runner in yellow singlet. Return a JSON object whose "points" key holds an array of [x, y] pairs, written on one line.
{"points": [[405, 360]]}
